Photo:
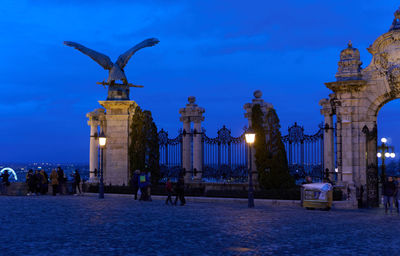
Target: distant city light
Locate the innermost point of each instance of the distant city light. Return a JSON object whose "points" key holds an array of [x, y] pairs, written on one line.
{"points": [[336, 170]]}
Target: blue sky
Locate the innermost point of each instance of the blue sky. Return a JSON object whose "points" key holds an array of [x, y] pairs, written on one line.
{"points": [[218, 51]]}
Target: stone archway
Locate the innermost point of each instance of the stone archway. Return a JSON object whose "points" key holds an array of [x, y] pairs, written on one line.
{"points": [[358, 95]]}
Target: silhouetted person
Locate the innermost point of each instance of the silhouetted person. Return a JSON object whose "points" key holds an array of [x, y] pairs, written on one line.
{"points": [[180, 191], [168, 189], [388, 191], [30, 180], [77, 182], [135, 183], [61, 181], [54, 181], [5, 182]]}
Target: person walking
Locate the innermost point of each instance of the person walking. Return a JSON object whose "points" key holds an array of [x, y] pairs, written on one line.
{"points": [[388, 191], [180, 191], [143, 186], [77, 182], [30, 180], [135, 183], [60, 175], [397, 194], [54, 181], [168, 189], [5, 182]]}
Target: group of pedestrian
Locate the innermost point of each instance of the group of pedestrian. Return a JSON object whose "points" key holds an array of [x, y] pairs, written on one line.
{"points": [[140, 181], [179, 191], [38, 182], [391, 194]]}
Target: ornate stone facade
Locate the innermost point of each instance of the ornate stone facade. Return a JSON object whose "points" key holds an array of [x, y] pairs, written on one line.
{"points": [[358, 95]]}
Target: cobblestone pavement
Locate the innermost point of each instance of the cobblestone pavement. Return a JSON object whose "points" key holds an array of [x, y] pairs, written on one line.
{"points": [[67, 225]]}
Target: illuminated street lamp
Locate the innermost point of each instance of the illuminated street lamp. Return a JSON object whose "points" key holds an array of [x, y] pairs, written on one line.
{"points": [[102, 143], [250, 138], [384, 148]]}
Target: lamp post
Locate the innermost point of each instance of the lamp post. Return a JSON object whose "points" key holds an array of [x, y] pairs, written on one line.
{"points": [[385, 153], [250, 138], [102, 143]]}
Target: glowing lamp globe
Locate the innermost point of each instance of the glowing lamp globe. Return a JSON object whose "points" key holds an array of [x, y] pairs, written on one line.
{"points": [[383, 140], [250, 136], [379, 155], [102, 139], [387, 154], [392, 155]]}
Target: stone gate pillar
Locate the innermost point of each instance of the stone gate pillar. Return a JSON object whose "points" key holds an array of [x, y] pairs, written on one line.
{"points": [[265, 106], [116, 166], [94, 122], [192, 163], [329, 152]]}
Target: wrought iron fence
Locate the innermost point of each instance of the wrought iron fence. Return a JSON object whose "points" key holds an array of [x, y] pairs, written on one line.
{"points": [[170, 155], [225, 157], [305, 153]]}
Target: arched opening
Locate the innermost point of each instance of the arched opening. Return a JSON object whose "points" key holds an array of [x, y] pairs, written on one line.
{"points": [[388, 123]]}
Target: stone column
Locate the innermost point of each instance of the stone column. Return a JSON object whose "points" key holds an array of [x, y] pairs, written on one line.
{"points": [[329, 150], [186, 149], [94, 122], [116, 165], [192, 113], [265, 106], [197, 149]]}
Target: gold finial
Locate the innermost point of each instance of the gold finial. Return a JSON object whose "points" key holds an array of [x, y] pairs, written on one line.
{"points": [[350, 44]]}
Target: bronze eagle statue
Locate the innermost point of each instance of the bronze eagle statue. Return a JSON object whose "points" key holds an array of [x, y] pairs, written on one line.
{"points": [[116, 70]]}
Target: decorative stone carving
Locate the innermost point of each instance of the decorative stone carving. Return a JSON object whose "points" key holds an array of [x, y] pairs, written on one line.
{"points": [[349, 66]]}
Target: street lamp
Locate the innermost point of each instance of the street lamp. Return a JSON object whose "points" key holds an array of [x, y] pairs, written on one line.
{"points": [[102, 143], [384, 148], [250, 138]]}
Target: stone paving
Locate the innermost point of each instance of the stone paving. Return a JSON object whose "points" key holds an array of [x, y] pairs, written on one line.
{"points": [[68, 225]]}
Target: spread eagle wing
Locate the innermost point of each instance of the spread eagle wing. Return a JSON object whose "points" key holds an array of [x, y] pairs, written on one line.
{"points": [[101, 59], [124, 58]]}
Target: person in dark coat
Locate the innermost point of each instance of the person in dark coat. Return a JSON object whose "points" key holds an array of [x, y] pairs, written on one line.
{"points": [[54, 181], [61, 181], [180, 191], [77, 182], [135, 183], [38, 182], [168, 189], [388, 191], [143, 183], [5, 182], [30, 180]]}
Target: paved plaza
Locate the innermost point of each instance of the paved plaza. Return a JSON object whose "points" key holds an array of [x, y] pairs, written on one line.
{"points": [[68, 225]]}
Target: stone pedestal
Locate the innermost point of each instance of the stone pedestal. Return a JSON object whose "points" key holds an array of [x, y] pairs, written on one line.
{"points": [[192, 162], [116, 165]]}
